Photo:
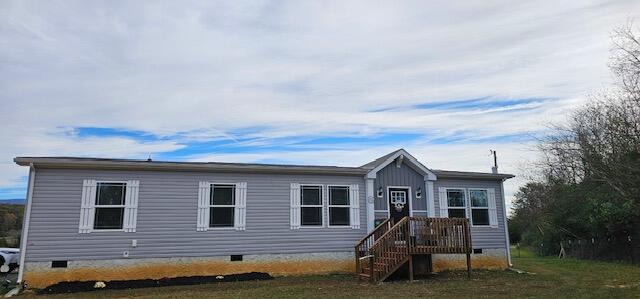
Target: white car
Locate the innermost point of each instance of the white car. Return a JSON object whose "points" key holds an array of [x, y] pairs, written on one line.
{"points": [[9, 259]]}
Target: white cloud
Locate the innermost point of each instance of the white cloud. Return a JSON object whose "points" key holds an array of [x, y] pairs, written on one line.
{"points": [[293, 68], [18, 141]]}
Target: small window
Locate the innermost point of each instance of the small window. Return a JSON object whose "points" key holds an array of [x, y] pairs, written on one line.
{"points": [[222, 205], [479, 207], [477, 251], [311, 206], [339, 206], [109, 208], [456, 201], [236, 258]]}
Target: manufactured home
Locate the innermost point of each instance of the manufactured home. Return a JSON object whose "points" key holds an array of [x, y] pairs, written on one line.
{"points": [[121, 219]]}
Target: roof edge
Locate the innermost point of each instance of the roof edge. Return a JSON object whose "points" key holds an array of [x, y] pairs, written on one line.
{"points": [[97, 163], [472, 175]]}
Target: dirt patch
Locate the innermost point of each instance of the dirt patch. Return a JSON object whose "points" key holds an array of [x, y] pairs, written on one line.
{"points": [[86, 286], [40, 279], [477, 262]]}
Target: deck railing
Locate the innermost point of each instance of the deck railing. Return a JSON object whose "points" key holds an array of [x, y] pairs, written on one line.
{"points": [[363, 246], [440, 235], [389, 246]]}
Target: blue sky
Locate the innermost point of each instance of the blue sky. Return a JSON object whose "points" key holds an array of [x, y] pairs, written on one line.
{"points": [[329, 83]]}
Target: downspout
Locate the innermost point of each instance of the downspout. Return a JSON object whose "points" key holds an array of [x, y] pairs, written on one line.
{"points": [[506, 226], [26, 221]]}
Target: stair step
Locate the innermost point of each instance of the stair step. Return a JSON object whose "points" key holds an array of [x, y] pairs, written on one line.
{"points": [[366, 270]]}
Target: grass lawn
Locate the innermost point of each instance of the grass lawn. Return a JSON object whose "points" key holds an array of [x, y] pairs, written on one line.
{"points": [[551, 278]]}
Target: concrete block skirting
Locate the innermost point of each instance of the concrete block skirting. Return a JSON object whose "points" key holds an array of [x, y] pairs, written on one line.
{"points": [[40, 274]]}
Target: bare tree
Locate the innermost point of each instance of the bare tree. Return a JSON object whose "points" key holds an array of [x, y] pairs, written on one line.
{"points": [[591, 166]]}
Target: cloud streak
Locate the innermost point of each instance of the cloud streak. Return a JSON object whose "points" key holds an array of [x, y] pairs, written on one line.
{"points": [[332, 82]]}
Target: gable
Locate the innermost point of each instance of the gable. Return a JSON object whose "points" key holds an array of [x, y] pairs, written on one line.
{"points": [[400, 175], [398, 158]]}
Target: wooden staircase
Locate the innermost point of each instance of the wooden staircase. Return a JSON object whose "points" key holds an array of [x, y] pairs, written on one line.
{"points": [[389, 246]]}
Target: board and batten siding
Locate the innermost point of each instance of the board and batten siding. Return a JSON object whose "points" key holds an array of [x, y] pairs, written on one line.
{"points": [[391, 175], [481, 236], [167, 217]]}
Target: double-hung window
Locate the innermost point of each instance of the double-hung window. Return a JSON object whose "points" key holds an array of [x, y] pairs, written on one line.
{"points": [[479, 200], [457, 203], [311, 206], [316, 205], [109, 205], [476, 204], [339, 206], [222, 203]]}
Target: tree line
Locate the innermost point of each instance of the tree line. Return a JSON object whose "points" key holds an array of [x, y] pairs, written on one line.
{"points": [[584, 199], [10, 224]]}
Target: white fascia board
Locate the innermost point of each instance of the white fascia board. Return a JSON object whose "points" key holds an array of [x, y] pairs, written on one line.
{"points": [[429, 175]]}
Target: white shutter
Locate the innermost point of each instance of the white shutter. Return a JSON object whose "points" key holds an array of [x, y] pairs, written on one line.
{"points": [[325, 205], [87, 207], [131, 206], [354, 201], [493, 211], [444, 205], [204, 192], [295, 206], [240, 206]]}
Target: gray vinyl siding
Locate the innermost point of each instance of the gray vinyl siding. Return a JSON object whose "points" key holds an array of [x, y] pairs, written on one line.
{"points": [[481, 237], [167, 217], [391, 175], [381, 215]]}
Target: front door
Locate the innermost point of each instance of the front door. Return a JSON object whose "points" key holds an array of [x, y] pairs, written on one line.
{"points": [[398, 203]]}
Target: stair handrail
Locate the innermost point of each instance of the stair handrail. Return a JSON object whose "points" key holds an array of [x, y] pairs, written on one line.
{"points": [[380, 226], [381, 244], [403, 220]]}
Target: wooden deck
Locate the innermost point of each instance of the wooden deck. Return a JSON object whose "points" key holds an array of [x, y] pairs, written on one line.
{"points": [[389, 246]]}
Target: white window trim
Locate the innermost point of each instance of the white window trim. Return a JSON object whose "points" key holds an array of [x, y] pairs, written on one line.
{"points": [[466, 201], [409, 199], [468, 206], [89, 206], [321, 206], [96, 206], [471, 207], [329, 206], [234, 206]]}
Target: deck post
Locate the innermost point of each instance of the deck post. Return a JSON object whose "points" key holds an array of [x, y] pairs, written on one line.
{"points": [[468, 246], [409, 251], [371, 272], [410, 268], [358, 271], [468, 265]]}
